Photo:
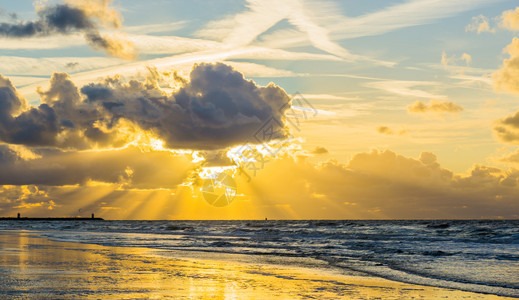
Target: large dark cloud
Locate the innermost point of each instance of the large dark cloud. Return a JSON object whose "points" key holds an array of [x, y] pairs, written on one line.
{"points": [[35, 126], [55, 19], [70, 18], [215, 109]]}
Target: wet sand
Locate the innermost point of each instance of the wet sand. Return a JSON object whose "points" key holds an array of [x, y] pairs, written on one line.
{"points": [[37, 268]]}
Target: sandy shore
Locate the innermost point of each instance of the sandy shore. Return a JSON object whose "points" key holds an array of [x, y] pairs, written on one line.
{"points": [[43, 269]]}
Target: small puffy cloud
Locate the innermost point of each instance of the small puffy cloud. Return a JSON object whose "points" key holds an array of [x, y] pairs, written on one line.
{"points": [[480, 24], [434, 106], [85, 16], [319, 150], [507, 78], [510, 19], [465, 57], [445, 60], [388, 131]]}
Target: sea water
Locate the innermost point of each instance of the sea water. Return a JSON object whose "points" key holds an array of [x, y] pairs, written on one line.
{"points": [[478, 256]]}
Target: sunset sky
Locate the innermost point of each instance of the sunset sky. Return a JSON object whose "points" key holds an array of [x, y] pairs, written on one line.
{"points": [[312, 109]]}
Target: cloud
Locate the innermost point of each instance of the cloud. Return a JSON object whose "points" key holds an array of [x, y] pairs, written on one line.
{"points": [[386, 19], [257, 70], [480, 24], [113, 46], [510, 19], [507, 78], [375, 184], [215, 109], [511, 158], [85, 16], [11, 194], [435, 106], [467, 58], [384, 184], [244, 28], [7, 154], [50, 205], [507, 129], [388, 131], [319, 150], [100, 10], [404, 88], [129, 167], [445, 61]]}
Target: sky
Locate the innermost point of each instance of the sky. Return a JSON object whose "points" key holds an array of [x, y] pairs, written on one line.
{"points": [[249, 109]]}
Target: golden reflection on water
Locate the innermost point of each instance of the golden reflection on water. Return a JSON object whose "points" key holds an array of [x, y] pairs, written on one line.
{"points": [[39, 268]]}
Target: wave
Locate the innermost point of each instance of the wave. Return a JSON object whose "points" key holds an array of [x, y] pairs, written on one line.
{"points": [[478, 256]]}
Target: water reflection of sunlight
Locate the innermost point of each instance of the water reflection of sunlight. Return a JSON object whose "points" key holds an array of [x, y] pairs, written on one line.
{"points": [[40, 268]]}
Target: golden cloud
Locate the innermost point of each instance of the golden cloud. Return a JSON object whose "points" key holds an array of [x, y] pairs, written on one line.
{"points": [[375, 184], [398, 186], [319, 150], [507, 129], [511, 158], [480, 24], [388, 131], [510, 19], [435, 106], [99, 9], [507, 78]]}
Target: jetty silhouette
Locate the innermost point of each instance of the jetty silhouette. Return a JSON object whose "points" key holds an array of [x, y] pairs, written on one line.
{"points": [[19, 218]]}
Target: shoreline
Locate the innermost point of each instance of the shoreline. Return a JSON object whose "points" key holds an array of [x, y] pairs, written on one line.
{"points": [[33, 267]]}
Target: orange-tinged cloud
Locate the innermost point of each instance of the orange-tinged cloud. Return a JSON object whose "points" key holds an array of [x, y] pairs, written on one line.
{"points": [[388, 131], [510, 19], [318, 150], [434, 106], [507, 78], [113, 46], [100, 9], [507, 129], [381, 184], [480, 24], [376, 184]]}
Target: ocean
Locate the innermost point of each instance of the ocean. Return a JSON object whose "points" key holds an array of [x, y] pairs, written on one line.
{"points": [[477, 256]]}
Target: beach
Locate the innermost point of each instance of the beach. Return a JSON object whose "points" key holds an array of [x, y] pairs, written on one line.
{"points": [[39, 268]]}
